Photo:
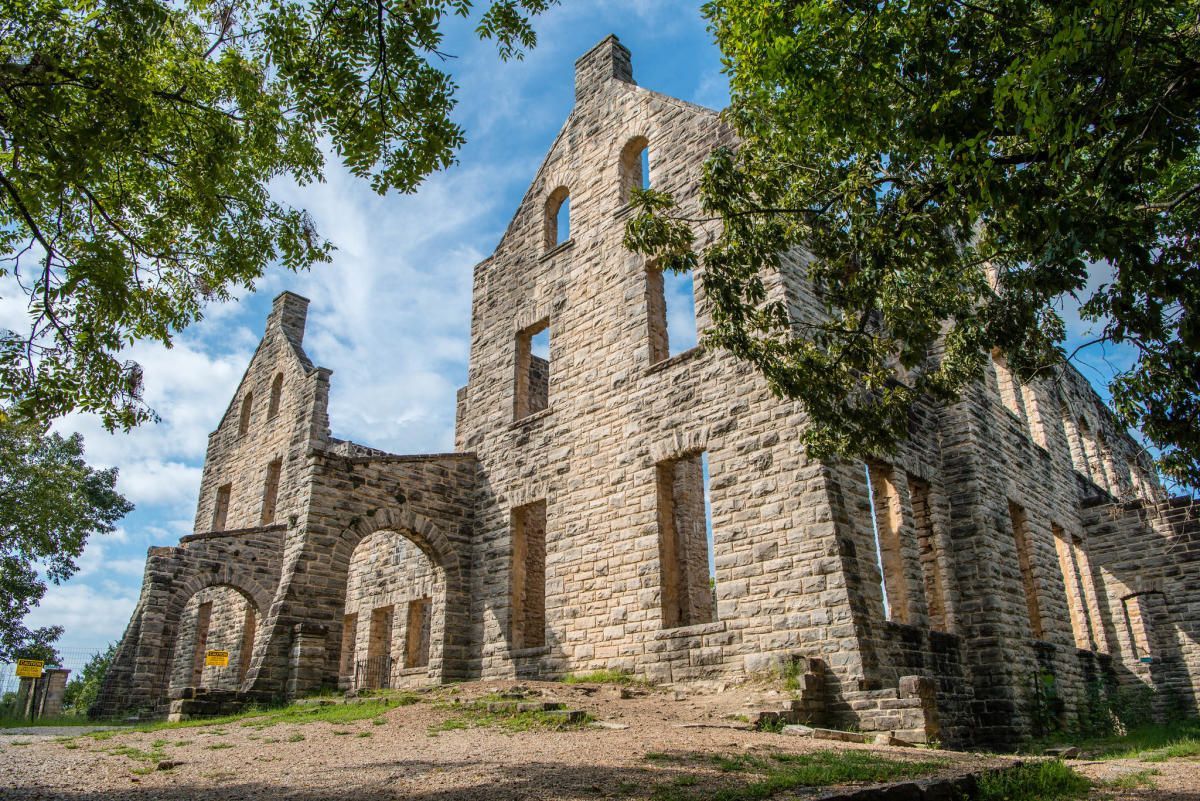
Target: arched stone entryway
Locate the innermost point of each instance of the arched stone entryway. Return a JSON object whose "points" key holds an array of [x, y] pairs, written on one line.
{"points": [[445, 654]]}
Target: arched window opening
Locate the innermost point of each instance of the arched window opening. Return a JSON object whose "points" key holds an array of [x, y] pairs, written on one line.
{"points": [[635, 167], [558, 217], [218, 618], [276, 393], [247, 407]]}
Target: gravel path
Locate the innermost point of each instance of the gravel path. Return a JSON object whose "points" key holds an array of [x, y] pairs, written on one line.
{"points": [[1173, 780], [399, 758]]}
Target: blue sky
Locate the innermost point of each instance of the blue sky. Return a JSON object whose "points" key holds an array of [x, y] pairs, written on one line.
{"points": [[391, 314]]}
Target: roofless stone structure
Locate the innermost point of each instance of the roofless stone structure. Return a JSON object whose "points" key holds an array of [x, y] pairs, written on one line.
{"points": [[1015, 559]]}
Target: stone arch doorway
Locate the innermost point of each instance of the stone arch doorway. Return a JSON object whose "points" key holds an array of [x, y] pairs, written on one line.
{"points": [[218, 617], [404, 603]]}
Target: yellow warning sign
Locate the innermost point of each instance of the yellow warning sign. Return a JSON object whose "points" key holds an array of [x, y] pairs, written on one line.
{"points": [[30, 668], [216, 658]]}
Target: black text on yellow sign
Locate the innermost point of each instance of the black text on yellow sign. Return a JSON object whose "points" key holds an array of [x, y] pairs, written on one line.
{"points": [[30, 668], [216, 658]]}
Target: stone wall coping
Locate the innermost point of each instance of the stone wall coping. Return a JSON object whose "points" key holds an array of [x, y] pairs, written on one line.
{"points": [[695, 630], [231, 532], [531, 418], [559, 248], [679, 358], [423, 457]]}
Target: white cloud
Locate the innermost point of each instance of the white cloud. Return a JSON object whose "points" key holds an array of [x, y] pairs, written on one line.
{"points": [[92, 616]]}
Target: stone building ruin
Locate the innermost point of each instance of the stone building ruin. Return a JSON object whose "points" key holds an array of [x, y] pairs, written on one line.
{"points": [[1015, 558]]}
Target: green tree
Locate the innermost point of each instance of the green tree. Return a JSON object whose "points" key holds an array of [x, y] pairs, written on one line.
{"points": [[51, 501], [83, 689], [138, 143], [954, 169]]}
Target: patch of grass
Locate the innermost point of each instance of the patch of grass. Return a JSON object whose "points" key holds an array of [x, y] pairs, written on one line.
{"points": [[780, 772], [341, 734], [295, 738], [603, 677], [21, 742], [776, 773], [1132, 781], [379, 721], [219, 746], [1154, 742], [181, 743], [364, 734], [477, 715], [1051, 780]]}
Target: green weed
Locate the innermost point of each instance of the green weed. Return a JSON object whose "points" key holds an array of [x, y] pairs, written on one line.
{"points": [[1050, 780]]}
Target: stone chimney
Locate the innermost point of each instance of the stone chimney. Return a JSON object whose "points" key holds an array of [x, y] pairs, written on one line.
{"points": [[607, 61], [289, 311]]}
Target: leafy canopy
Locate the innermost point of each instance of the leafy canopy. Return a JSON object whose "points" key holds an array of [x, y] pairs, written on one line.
{"points": [[51, 501], [138, 143], [954, 170]]}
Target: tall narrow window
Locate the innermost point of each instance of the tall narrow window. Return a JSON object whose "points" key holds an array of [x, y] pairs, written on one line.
{"points": [[349, 638], [1077, 602], [247, 407], [203, 621], [558, 217], [249, 630], [276, 394], [529, 575], [1075, 447], [221, 509], [416, 637], [1009, 386], [670, 313], [635, 167], [683, 532], [1139, 624], [885, 520], [379, 649], [930, 553], [271, 491], [1020, 529], [532, 370]]}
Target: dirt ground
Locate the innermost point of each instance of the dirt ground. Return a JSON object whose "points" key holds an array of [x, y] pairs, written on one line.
{"points": [[404, 755], [1173, 780]]}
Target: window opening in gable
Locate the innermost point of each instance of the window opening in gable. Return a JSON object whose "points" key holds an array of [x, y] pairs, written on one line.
{"points": [[276, 394], [558, 218], [271, 491], [247, 407], [634, 167], [221, 509], [532, 393]]}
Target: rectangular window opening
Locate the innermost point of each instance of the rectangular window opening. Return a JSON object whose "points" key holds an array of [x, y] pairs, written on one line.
{"points": [[930, 553], [885, 524], [377, 670], [671, 313], [271, 491], [1020, 529], [533, 370], [349, 638], [529, 575], [1137, 624], [416, 647], [249, 630], [203, 621], [1010, 388], [685, 529], [1081, 625], [221, 511]]}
